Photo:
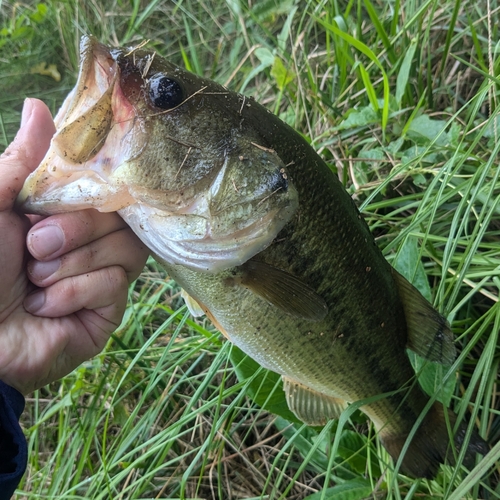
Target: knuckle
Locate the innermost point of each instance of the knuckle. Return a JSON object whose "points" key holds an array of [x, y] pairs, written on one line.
{"points": [[70, 289], [85, 222], [136, 254], [86, 256], [115, 279]]}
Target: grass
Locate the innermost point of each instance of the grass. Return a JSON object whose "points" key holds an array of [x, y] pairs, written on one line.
{"points": [[401, 99]]}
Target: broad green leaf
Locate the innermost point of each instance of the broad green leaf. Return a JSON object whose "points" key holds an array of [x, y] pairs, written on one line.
{"points": [[424, 130], [430, 377], [493, 123], [419, 180], [455, 133], [269, 9], [353, 450], [282, 75], [355, 489], [40, 14], [266, 59], [235, 6], [120, 414], [408, 263], [359, 118], [265, 56], [395, 146], [364, 169], [419, 154]]}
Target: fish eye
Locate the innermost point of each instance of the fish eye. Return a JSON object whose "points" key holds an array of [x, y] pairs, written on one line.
{"points": [[164, 92]]}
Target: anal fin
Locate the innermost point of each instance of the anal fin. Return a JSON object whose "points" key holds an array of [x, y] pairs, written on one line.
{"points": [[310, 406]]}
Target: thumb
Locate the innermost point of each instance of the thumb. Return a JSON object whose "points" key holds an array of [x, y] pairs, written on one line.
{"points": [[27, 150]]}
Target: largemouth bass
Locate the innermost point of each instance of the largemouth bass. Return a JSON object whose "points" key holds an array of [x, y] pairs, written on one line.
{"points": [[255, 227]]}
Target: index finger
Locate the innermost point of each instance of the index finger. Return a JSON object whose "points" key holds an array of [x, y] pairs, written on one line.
{"points": [[61, 233]]}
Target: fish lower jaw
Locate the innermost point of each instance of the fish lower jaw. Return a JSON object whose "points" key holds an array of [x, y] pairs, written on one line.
{"points": [[190, 241], [47, 196]]}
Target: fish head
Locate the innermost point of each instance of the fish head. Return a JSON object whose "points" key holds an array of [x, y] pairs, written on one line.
{"points": [[171, 153]]}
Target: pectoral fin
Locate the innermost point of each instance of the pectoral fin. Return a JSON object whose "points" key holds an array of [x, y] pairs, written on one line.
{"points": [[194, 308], [197, 308], [283, 290], [429, 333], [312, 407]]}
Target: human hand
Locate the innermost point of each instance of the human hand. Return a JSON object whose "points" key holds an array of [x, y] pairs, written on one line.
{"points": [[60, 300]]}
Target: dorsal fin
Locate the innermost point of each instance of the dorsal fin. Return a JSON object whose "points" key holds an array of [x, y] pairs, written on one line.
{"points": [[310, 406], [283, 290], [429, 334]]}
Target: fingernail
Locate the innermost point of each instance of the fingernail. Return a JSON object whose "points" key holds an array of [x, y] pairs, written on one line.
{"points": [[42, 270], [45, 241], [27, 110], [35, 301]]}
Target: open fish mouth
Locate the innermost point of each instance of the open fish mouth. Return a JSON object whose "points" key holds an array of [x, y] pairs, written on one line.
{"points": [[95, 126]]}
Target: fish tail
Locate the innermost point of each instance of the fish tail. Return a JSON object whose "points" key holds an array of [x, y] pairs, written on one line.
{"points": [[430, 445]]}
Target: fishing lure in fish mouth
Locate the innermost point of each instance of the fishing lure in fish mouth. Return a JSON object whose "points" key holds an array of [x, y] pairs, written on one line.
{"points": [[262, 237]]}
